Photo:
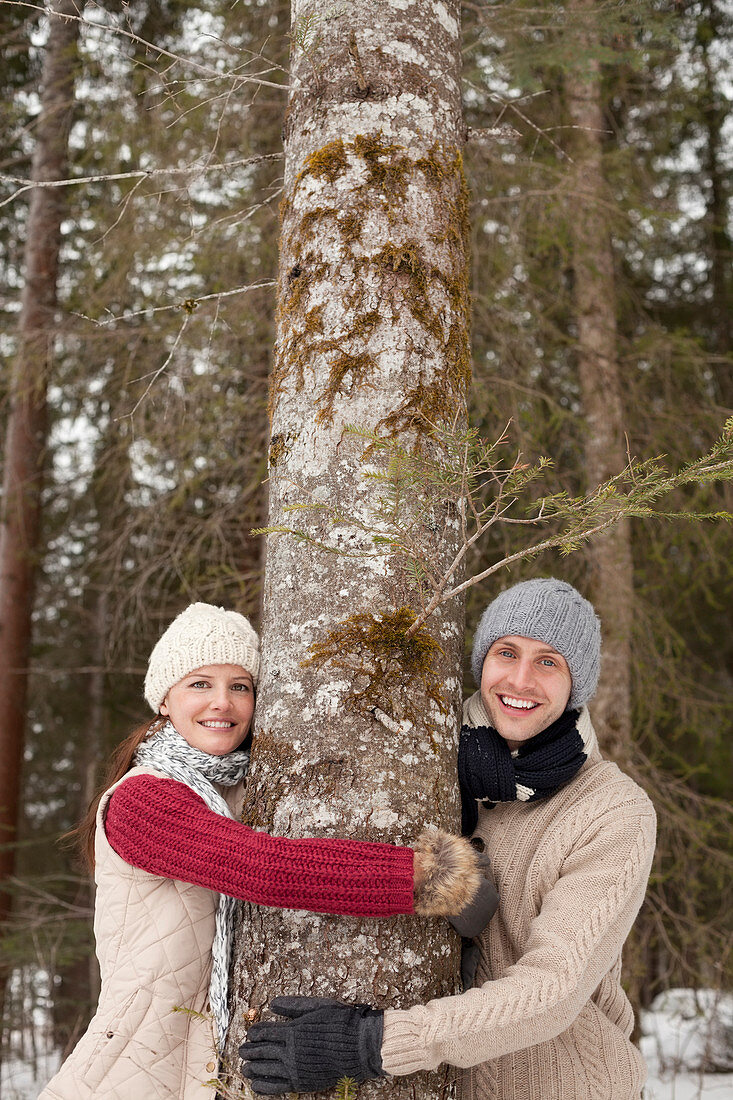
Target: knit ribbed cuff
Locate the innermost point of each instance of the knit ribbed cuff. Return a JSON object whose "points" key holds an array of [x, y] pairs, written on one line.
{"points": [[402, 1046]]}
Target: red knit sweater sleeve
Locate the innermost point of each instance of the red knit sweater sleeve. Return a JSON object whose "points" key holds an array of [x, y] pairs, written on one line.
{"points": [[165, 828]]}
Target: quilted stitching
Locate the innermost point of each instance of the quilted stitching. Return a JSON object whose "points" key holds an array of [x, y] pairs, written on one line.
{"points": [[154, 941]]}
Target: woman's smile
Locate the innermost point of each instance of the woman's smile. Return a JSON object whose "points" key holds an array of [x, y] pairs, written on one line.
{"points": [[212, 707]]}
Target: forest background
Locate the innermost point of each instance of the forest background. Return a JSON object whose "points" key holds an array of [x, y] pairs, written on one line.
{"points": [[154, 379]]}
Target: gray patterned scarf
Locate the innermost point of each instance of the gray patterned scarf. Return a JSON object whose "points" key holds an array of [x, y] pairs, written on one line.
{"points": [[168, 752]]}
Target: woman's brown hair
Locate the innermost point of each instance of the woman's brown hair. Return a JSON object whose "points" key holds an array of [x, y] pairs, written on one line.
{"points": [[120, 763]]}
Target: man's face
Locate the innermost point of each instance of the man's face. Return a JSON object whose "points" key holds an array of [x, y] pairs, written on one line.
{"points": [[525, 686]]}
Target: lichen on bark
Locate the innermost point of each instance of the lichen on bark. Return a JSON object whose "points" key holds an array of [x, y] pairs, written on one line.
{"points": [[373, 312], [383, 661], [360, 184]]}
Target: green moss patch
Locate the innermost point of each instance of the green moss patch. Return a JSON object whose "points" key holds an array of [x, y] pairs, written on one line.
{"points": [[376, 646]]}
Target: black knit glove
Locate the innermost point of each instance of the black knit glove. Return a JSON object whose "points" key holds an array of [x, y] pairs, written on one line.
{"points": [[323, 1041], [474, 917], [470, 956]]}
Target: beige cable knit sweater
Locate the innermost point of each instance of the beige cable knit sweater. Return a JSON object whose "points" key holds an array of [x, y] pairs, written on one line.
{"points": [[548, 1019]]}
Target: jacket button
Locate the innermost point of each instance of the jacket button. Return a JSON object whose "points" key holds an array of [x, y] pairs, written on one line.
{"points": [[110, 1034], [210, 1067]]}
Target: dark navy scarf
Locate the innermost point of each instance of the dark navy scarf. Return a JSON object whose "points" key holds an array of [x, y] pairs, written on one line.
{"points": [[488, 772]]}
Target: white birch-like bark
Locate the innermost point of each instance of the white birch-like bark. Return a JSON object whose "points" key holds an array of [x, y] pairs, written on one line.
{"points": [[373, 331]]}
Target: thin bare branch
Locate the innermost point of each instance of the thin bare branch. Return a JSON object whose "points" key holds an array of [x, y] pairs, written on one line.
{"points": [[187, 304], [208, 70], [193, 170]]}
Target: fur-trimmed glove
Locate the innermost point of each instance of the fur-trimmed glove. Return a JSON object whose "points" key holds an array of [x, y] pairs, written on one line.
{"points": [[322, 1041], [473, 918], [456, 882]]}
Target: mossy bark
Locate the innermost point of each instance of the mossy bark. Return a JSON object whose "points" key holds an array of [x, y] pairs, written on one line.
{"points": [[373, 332]]}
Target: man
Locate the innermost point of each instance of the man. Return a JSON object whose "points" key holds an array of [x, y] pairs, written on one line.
{"points": [[571, 840]]}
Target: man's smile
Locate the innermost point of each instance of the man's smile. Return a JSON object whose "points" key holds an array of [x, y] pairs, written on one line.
{"points": [[517, 704]]}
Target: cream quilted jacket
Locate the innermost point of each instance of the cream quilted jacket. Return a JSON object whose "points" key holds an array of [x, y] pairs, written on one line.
{"points": [[154, 938]]}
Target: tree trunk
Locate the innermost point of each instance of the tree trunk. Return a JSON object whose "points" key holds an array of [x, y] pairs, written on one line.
{"points": [[26, 432], [714, 113], [372, 331], [77, 985], [600, 380]]}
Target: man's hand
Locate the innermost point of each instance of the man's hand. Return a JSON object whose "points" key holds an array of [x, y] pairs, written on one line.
{"points": [[473, 918], [322, 1041], [470, 956]]}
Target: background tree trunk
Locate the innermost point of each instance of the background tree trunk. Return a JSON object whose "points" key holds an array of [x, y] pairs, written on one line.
{"points": [[718, 199], [78, 984], [612, 575], [373, 331], [26, 430]]}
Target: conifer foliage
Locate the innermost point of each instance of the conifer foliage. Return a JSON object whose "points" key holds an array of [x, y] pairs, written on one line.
{"points": [[598, 210]]}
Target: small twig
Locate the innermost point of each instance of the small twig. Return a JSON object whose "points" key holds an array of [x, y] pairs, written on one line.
{"points": [[390, 723], [440, 596], [488, 134], [358, 68], [188, 304], [155, 375], [195, 65], [464, 492], [548, 544], [54, 899], [141, 174]]}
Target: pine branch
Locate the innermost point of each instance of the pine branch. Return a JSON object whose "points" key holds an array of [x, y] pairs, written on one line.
{"points": [[463, 470]]}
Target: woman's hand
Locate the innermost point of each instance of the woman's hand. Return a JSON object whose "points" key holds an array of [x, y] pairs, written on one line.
{"points": [[453, 879]]}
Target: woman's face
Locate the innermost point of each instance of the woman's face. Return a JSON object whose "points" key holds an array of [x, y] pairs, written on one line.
{"points": [[212, 707]]}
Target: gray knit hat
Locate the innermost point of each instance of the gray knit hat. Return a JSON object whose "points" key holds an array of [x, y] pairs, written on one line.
{"points": [[201, 635], [550, 611]]}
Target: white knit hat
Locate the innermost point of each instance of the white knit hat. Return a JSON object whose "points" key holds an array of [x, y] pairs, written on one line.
{"points": [[201, 635]]}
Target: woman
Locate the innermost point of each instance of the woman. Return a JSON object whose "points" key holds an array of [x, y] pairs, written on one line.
{"points": [[170, 856]]}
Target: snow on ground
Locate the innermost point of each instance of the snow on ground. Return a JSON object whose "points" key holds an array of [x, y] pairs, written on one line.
{"points": [[686, 1033], [18, 1081]]}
